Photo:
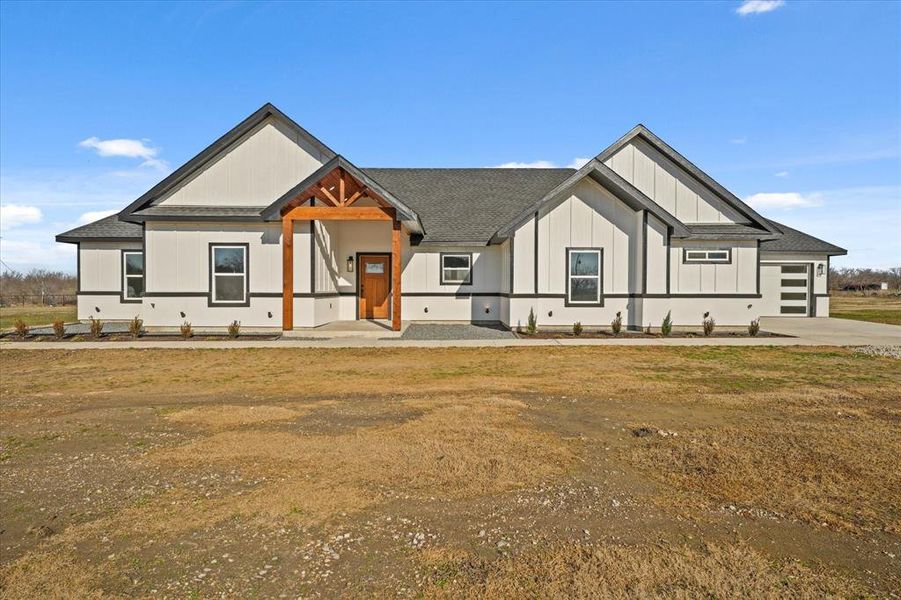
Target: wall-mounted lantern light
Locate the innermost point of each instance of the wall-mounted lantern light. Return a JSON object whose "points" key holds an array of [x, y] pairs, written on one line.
{"points": [[350, 264], [820, 270]]}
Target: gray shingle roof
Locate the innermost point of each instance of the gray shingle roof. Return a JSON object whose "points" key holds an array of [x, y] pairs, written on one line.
{"points": [[793, 240], [106, 229], [467, 205], [195, 213], [725, 231]]}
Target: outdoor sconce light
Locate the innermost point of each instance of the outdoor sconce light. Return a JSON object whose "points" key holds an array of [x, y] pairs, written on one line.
{"points": [[426, 309], [550, 313], [182, 313], [487, 309], [270, 314], [153, 305], [350, 264], [97, 309], [820, 270]]}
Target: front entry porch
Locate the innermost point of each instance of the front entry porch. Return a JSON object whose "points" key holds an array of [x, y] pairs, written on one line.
{"points": [[341, 193]]}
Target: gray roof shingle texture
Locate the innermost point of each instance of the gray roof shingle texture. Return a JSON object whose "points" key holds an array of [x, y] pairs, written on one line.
{"points": [[110, 228], [455, 205], [467, 205], [793, 240]]}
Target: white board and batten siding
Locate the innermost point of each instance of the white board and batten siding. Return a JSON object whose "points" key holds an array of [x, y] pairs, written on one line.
{"points": [[100, 281], [670, 186], [258, 170]]}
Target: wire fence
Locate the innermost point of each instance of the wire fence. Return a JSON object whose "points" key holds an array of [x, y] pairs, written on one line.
{"points": [[37, 299]]}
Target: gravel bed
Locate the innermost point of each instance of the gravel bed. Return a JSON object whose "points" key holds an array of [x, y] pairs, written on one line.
{"points": [[84, 328], [441, 331], [889, 351]]}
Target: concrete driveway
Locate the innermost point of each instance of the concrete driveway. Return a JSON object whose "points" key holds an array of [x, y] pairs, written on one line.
{"points": [[835, 332]]}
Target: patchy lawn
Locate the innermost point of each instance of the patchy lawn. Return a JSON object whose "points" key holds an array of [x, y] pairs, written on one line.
{"points": [[484, 472], [878, 308], [35, 315]]}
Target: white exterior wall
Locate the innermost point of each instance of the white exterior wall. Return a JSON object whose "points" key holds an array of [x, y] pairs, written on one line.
{"points": [[266, 163], [737, 277], [668, 185], [100, 281], [657, 251]]}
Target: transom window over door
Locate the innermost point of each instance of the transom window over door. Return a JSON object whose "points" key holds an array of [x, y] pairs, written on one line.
{"points": [[456, 269], [583, 269], [132, 274], [228, 283]]}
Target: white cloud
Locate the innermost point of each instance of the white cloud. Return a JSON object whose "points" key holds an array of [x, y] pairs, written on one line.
{"points": [[783, 200], [781, 174], [94, 215], [575, 163], [738, 140], [756, 7], [25, 255], [14, 215], [126, 148]]}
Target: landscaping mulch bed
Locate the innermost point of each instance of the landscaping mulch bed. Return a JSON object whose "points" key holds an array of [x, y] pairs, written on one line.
{"points": [[606, 335], [147, 337]]}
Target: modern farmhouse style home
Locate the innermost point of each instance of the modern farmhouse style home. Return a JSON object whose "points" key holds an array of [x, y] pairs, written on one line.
{"points": [[270, 227]]}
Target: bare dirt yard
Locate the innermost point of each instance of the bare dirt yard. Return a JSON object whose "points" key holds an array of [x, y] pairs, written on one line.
{"points": [[449, 473]]}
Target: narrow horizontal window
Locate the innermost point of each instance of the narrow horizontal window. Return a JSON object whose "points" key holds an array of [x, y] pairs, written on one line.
{"points": [[132, 274], [704, 255], [794, 269], [456, 269], [794, 295], [793, 310], [229, 274], [794, 283], [584, 276]]}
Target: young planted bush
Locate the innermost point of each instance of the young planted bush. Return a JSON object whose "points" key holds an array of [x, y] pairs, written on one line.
{"points": [[59, 329], [136, 327], [709, 324], [234, 329], [186, 330], [666, 327], [532, 324], [96, 328], [754, 328], [617, 324], [22, 328], [577, 328]]}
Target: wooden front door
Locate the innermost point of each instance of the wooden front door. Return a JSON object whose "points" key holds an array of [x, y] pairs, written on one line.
{"points": [[374, 286]]}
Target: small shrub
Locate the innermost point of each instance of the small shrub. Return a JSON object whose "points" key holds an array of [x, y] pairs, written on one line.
{"points": [[532, 324], [22, 328], [577, 328], [666, 327], [709, 324], [59, 329], [754, 328], [233, 329], [647, 330], [136, 327], [186, 330], [96, 327], [617, 324]]}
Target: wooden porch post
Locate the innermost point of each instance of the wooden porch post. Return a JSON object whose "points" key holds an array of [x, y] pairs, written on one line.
{"points": [[395, 275], [287, 273]]}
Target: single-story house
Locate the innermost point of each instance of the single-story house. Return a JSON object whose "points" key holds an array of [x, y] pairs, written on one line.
{"points": [[270, 227]]}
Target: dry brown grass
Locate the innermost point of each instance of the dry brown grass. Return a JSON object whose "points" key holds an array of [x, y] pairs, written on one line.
{"points": [[230, 415], [659, 571], [55, 574], [454, 450]]}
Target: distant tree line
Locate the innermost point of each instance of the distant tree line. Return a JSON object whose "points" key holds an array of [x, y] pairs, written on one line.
{"points": [[38, 286], [864, 279]]}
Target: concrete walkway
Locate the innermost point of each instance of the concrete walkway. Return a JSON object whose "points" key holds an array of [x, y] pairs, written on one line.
{"points": [[808, 332]]}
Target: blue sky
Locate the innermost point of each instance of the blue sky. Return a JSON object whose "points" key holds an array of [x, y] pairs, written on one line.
{"points": [[793, 105]]}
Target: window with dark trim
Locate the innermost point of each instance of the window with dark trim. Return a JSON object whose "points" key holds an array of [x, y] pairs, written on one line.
{"points": [[707, 255], [132, 274], [228, 282], [583, 275], [456, 268]]}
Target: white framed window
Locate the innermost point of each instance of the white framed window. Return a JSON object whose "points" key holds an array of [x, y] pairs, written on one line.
{"points": [[707, 255], [456, 268], [228, 273], [583, 275], [132, 275]]}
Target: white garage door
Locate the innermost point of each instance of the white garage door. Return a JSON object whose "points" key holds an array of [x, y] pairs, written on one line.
{"points": [[794, 290]]}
